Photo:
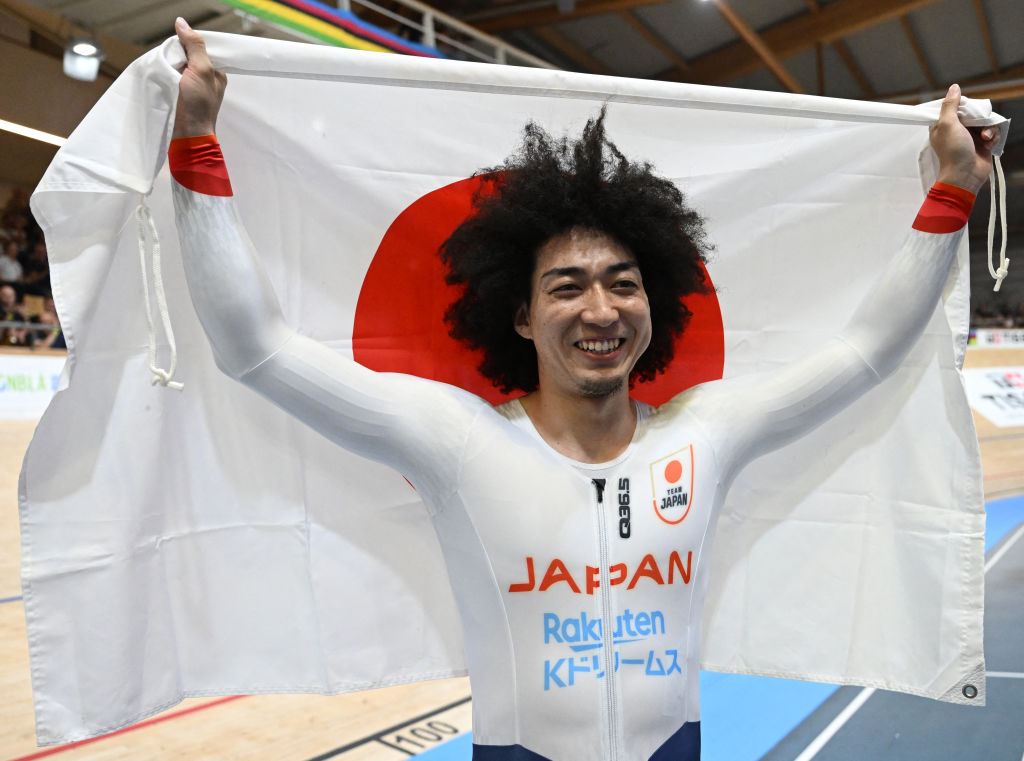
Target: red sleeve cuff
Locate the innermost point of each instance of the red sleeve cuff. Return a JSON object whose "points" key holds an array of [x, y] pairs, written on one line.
{"points": [[198, 164], [945, 209]]}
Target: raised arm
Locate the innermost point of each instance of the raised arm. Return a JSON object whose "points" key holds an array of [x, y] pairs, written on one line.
{"points": [[754, 414], [416, 426]]}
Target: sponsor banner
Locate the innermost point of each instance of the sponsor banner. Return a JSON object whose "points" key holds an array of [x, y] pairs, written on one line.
{"points": [[997, 338], [27, 384], [997, 393]]}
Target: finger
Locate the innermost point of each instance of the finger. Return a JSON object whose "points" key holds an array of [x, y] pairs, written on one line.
{"points": [[985, 137], [950, 104], [192, 41], [981, 134], [182, 29]]}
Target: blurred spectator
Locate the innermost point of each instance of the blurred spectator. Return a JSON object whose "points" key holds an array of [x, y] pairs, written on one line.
{"points": [[35, 276], [11, 311], [15, 223], [997, 316], [409, 33], [10, 268], [53, 339]]}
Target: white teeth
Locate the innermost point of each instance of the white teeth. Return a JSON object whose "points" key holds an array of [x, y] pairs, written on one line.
{"points": [[600, 347]]}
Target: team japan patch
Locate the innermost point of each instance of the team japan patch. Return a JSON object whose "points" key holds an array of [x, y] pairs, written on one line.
{"points": [[672, 485]]}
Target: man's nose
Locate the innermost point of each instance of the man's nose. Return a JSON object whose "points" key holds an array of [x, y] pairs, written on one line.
{"points": [[599, 308]]}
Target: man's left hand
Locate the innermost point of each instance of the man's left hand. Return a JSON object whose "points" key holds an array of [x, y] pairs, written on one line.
{"points": [[965, 155]]}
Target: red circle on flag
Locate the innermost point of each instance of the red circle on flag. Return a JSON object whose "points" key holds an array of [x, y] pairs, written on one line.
{"points": [[399, 323], [673, 471]]}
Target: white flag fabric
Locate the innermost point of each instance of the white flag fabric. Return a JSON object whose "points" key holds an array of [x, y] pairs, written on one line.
{"points": [[200, 542]]}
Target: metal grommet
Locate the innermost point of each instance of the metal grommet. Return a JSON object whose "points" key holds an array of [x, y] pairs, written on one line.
{"points": [[970, 691]]}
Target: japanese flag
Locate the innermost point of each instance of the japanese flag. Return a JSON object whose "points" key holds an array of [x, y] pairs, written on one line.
{"points": [[202, 542]]}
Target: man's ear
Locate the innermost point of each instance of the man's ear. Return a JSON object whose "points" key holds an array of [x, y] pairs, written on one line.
{"points": [[522, 322]]}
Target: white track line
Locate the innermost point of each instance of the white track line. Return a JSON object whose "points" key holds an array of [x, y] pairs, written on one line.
{"points": [[844, 716], [837, 723], [1004, 675], [1003, 550]]}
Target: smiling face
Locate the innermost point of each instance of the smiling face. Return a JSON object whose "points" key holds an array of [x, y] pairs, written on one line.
{"points": [[588, 315]]}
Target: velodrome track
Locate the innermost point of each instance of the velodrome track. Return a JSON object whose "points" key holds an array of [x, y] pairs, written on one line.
{"points": [[744, 718]]}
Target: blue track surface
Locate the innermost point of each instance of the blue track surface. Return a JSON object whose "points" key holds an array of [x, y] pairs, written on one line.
{"points": [[458, 749], [766, 709], [744, 717], [1001, 517]]}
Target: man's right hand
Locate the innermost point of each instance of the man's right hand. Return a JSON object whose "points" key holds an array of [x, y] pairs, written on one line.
{"points": [[201, 89]]}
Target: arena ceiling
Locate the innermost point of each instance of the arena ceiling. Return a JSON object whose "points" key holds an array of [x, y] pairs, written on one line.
{"points": [[894, 50]]}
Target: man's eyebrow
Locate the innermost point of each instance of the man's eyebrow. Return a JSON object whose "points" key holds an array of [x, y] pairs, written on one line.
{"points": [[559, 271], [574, 271], [623, 267]]}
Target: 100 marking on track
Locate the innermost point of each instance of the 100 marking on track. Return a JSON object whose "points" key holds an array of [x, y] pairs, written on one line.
{"points": [[417, 738]]}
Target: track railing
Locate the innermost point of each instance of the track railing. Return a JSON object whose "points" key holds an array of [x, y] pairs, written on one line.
{"points": [[452, 37]]}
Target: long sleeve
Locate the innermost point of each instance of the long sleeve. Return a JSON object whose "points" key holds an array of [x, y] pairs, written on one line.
{"points": [[753, 414], [416, 426]]}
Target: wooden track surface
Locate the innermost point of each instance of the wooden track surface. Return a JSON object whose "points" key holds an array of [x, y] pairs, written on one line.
{"points": [[1002, 449], [279, 727], [303, 727]]}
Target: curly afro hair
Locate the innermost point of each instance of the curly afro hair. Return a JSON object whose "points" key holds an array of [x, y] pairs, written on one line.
{"points": [[547, 188]]}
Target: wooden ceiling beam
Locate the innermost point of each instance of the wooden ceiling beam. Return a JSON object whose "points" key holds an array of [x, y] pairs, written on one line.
{"points": [[551, 15], [845, 56], [656, 42], [819, 50], [1009, 85], [133, 12], [855, 71], [986, 35], [754, 40], [926, 69], [57, 30], [834, 22], [555, 39], [995, 91], [819, 65]]}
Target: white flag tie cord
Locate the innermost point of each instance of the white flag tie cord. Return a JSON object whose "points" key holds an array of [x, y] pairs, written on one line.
{"points": [[230, 567], [995, 179], [163, 377]]}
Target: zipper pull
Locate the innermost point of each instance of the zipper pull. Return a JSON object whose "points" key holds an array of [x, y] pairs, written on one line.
{"points": [[599, 485]]}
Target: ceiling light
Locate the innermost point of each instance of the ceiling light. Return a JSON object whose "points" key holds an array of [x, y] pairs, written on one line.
{"points": [[85, 47], [82, 56], [35, 134]]}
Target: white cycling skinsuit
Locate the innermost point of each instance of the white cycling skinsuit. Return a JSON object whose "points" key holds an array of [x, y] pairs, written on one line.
{"points": [[580, 586]]}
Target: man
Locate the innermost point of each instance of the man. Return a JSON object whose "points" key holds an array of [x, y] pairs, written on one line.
{"points": [[11, 311], [11, 270], [581, 611], [35, 277]]}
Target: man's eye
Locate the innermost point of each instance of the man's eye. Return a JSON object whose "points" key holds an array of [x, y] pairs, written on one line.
{"points": [[565, 288], [627, 284]]}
